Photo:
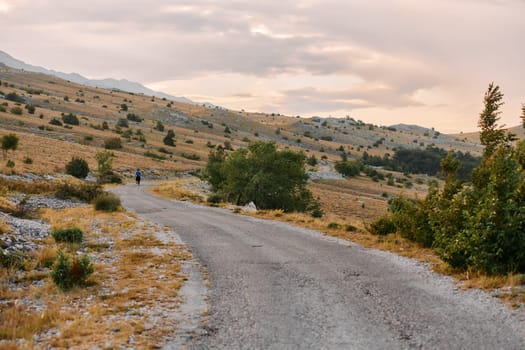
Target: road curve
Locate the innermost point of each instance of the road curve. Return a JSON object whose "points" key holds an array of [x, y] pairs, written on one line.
{"points": [[274, 286]]}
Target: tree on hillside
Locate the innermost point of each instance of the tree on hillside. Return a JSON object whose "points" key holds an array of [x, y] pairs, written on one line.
{"points": [[270, 178], [168, 139], [159, 126], [481, 225], [9, 142], [491, 134]]}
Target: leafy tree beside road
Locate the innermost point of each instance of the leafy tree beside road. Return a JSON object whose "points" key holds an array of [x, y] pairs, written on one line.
{"points": [[262, 174], [479, 225]]}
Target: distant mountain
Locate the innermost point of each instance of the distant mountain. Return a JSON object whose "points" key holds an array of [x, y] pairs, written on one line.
{"points": [[122, 84]]}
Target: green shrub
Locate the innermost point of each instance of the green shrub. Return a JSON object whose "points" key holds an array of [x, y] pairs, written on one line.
{"points": [[107, 202], [70, 119], [351, 228], [12, 96], [334, 225], [163, 150], [113, 143], [28, 160], [154, 155], [77, 167], [382, 226], [67, 273], [169, 138], [190, 156], [15, 259], [123, 123], [159, 126], [16, 110], [84, 192], [55, 121], [134, 117], [214, 199], [30, 109], [317, 213], [348, 168], [68, 235], [10, 164]]}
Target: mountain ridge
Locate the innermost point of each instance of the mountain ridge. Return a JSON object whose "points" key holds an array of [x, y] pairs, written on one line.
{"points": [[107, 83]]}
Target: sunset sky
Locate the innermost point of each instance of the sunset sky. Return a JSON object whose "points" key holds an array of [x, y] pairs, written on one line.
{"points": [[425, 62]]}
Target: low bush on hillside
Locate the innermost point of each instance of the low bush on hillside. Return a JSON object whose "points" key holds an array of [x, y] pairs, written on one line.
{"points": [[107, 202], [55, 121], [68, 235], [82, 191], [70, 272], [70, 119], [77, 167], [16, 111], [113, 143], [134, 117], [190, 156]]}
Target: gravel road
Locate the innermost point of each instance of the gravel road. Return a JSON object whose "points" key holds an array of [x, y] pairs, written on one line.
{"points": [[274, 286]]}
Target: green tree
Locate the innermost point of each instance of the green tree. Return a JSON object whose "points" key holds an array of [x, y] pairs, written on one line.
{"points": [[270, 178], [9, 142], [159, 126], [105, 168], [77, 167], [169, 138], [491, 135]]}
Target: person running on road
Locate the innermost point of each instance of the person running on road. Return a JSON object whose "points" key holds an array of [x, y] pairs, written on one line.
{"points": [[138, 174]]}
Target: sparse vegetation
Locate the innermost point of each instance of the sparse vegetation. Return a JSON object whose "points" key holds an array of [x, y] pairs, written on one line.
{"points": [[107, 202], [68, 235], [77, 167], [113, 143]]}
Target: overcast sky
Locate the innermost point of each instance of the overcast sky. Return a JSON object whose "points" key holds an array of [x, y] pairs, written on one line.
{"points": [[425, 62]]}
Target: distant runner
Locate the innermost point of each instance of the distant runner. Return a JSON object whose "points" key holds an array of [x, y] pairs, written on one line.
{"points": [[138, 174]]}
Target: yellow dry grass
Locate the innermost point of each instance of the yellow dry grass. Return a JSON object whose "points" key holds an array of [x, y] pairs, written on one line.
{"points": [[175, 190], [136, 279]]}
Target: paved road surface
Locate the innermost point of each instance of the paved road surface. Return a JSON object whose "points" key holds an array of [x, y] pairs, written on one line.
{"points": [[273, 286]]}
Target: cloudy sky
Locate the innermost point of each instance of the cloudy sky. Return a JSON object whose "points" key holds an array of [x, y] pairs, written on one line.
{"points": [[425, 62]]}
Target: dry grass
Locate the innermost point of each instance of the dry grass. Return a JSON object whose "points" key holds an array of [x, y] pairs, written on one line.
{"points": [[175, 190], [131, 295]]}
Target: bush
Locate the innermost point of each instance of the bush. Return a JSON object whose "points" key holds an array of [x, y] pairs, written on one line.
{"points": [[55, 121], [77, 167], [68, 235], [154, 155], [113, 143], [134, 118], [123, 123], [70, 119], [159, 126], [317, 213], [348, 168], [351, 228], [13, 260], [30, 109], [334, 225], [85, 191], [28, 160], [107, 202], [12, 96], [67, 274], [16, 110], [190, 156], [169, 138], [382, 226], [10, 164], [214, 199]]}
